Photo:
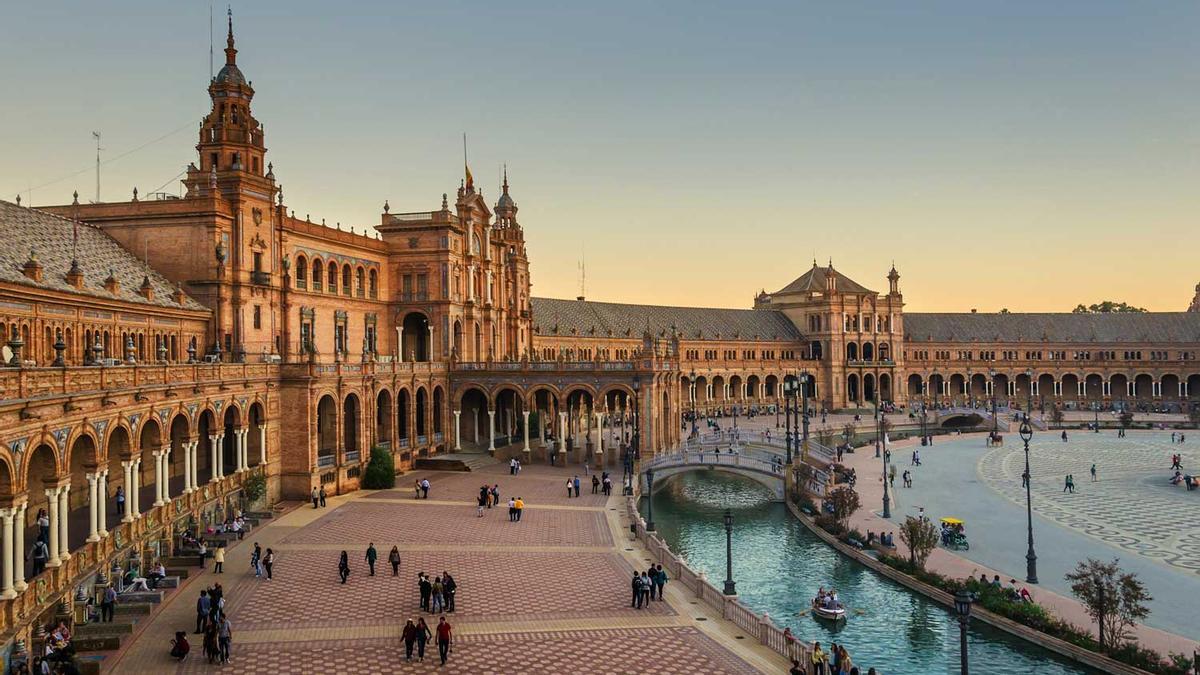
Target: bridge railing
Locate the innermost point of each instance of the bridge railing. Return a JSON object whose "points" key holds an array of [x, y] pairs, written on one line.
{"points": [[701, 458], [757, 626]]}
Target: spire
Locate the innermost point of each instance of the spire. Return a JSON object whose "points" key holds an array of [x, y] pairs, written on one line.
{"points": [[230, 51], [504, 185]]}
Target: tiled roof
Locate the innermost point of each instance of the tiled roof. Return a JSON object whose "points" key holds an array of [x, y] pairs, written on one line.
{"points": [[597, 319], [814, 280], [50, 237], [1064, 327]]}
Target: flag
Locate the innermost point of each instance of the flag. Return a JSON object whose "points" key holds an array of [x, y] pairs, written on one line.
{"points": [[470, 179]]}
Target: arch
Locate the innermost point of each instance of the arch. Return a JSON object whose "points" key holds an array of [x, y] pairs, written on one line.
{"points": [[936, 386], [422, 410], [916, 386], [1069, 386], [1143, 387], [752, 387], [851, 351], [1000, 387], [232, 422], [347, 283], [1169, 386], [868, 351], [301, 271], [1023, 391], [327, 440], [373, 284], [508, 405], [815, 350], [150, 441], [403, 408], [958, 383], [870, 391], [885, 351], [415, 337], [772, 386], [718, 389], [1118, 387], [458, 337], [41, 471], [350, 424], [853, 393], [180, 433], [332, 277], [383, 418], [978, 386], [360, 279], [318, 274], [1094, 386], [1193, 386], [256, 420], [439, 409], [772, 481], [885, 387], [8, 483]]}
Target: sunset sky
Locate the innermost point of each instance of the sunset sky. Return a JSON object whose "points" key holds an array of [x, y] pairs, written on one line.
{"points": [[1027, 155]]}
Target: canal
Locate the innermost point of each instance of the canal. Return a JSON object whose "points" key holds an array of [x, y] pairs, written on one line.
{"points": [[778, 566]]}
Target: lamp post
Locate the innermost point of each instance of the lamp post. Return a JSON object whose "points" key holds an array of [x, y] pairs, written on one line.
{"points": [[789, 392], [637, 385], [649, 500], [878, 431], [995, 426], [1096, 410], [805, 379], [1029, 393], [887, 502], [730, 588], [962, 608], [924, 424], [692, 380], [1030, 557]]}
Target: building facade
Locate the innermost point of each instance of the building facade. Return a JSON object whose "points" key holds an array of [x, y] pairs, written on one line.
{"points": [[177, 348]]}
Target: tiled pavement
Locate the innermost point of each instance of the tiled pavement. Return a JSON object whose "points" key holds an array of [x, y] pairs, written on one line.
{"points": [[547, 595]]}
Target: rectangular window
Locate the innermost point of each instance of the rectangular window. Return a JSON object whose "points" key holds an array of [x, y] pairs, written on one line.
{"points": [[258, 317], [258, 261]]}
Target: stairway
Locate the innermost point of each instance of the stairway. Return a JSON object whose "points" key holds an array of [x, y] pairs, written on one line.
{"points": [[456, 461]]}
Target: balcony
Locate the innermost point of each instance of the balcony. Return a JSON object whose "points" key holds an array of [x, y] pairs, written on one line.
{"points": [[352, 457], [260, 278], [325, 461], [414, 297]]}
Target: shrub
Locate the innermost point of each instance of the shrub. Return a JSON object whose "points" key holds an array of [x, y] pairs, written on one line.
{"points": [[829, 524], [381, 470], [255, 486]]}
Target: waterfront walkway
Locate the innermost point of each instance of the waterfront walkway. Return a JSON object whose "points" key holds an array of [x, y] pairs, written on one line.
{"points": [[547, 595], [960, 477]]}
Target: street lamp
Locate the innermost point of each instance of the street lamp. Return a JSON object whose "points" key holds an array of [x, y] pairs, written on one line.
{"points": [[887, 503], [729, 585], [878, 432], [789, 392], [995, 427], [1029, 392], [1030, 557], [925, 438], [692, 379], [649, 500], [962, 608], [637, 385], [805, 379], [1096, 410]]}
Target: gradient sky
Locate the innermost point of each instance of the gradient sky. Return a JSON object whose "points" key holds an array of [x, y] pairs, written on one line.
{"points": [[1028, 155]]}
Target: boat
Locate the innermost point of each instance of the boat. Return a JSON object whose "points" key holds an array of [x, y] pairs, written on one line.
{"points": [[828, 613]]}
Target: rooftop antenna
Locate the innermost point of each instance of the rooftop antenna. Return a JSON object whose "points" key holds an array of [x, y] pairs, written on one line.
{"points": [[582, 272], [96, 135], [210, 42]]}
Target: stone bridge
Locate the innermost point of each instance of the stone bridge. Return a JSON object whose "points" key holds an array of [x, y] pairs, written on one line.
{"points": [[765, 468]]}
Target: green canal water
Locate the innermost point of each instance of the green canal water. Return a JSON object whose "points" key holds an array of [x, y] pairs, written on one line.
{"points": [[778, 566]]}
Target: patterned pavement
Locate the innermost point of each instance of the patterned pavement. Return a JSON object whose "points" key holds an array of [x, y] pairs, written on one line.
{"points": [[1134, 470], [546, 595]]}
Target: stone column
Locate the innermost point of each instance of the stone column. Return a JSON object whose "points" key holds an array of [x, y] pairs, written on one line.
{"points": [[187, 467], [158, 501], [220, 451], [491, 430], [195, 465], [213, 442], [457, 430], [525, 415], [102, 505], [52, 499], [166, 473], [430, 351], [127, 465], [400, 342], [131, 499], [6, 589], [93, 506], [262, 443], [600, 433], [64, 512], [19, 549], [562, 436]]}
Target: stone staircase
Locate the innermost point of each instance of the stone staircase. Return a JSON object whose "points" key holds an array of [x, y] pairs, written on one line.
{"points": [[456, 461]]}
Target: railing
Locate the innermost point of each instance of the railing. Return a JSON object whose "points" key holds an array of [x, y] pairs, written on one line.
{"points": [[26, 383], [758, 626], [325, 461], [770, 464], [404, 442], [422, 440], [260, 278], [544, 365], [352, 457], [439, 437]]}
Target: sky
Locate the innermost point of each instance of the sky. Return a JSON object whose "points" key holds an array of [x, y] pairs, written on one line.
{"points": [[1020, 155]]}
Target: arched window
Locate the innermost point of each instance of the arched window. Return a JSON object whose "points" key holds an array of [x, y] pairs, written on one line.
{"points": [[331, 277], [301, 272], [318, 273], [373, 284], [361, 278], [346, 290]]}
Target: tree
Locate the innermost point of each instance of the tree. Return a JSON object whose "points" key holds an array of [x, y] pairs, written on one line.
{"points": [[1114, 599], [921, 537], [825, 436], [1106, 307], [381, 470], [844, 502], [1056, 415], [848, 432]]}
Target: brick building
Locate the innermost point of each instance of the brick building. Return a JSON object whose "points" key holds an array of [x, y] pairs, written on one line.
{"points": [[177, 348]]}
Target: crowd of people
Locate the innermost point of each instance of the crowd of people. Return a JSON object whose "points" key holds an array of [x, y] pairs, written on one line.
{"points": [[648, 586]]}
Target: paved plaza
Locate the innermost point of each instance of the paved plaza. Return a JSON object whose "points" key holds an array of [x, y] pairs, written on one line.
{"points": [[549, 594]]}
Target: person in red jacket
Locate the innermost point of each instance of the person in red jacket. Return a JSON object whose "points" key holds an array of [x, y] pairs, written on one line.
{"points": [[443, 638]]}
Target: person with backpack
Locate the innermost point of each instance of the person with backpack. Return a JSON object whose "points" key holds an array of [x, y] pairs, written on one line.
{"points": [[636, 586], [40, 555], [180, 646], [660, 580]]}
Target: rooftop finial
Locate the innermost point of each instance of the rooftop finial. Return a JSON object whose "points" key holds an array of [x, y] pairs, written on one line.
{"points": [[230, 52], [504, 185]]}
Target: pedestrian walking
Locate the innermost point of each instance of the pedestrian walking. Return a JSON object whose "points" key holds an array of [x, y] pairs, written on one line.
{"points": [[203, 606], [1024, 478], [316, 497], [595, 484], [576, 484], [344, 566], [480, 501], [417, 488], [496, 494], [108, 604], [269, 563], [256, 561], [219, 559], [449, 588], [519, 506], [121, 500], [321, 494], [423, 636], [43, 523], [570, 487], [425, 488], [426, 589], [662, 580], [636, 587], [512, 466], [224, 637], [443, 639], [371, 556], [512, 510], [40, 554], [1093, 473], [409, 635], [394, 560], [647, 589]]}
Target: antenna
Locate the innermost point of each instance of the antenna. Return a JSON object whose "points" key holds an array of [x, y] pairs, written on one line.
{"points": [[582, 272], [96, 135], [210, 42]]}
